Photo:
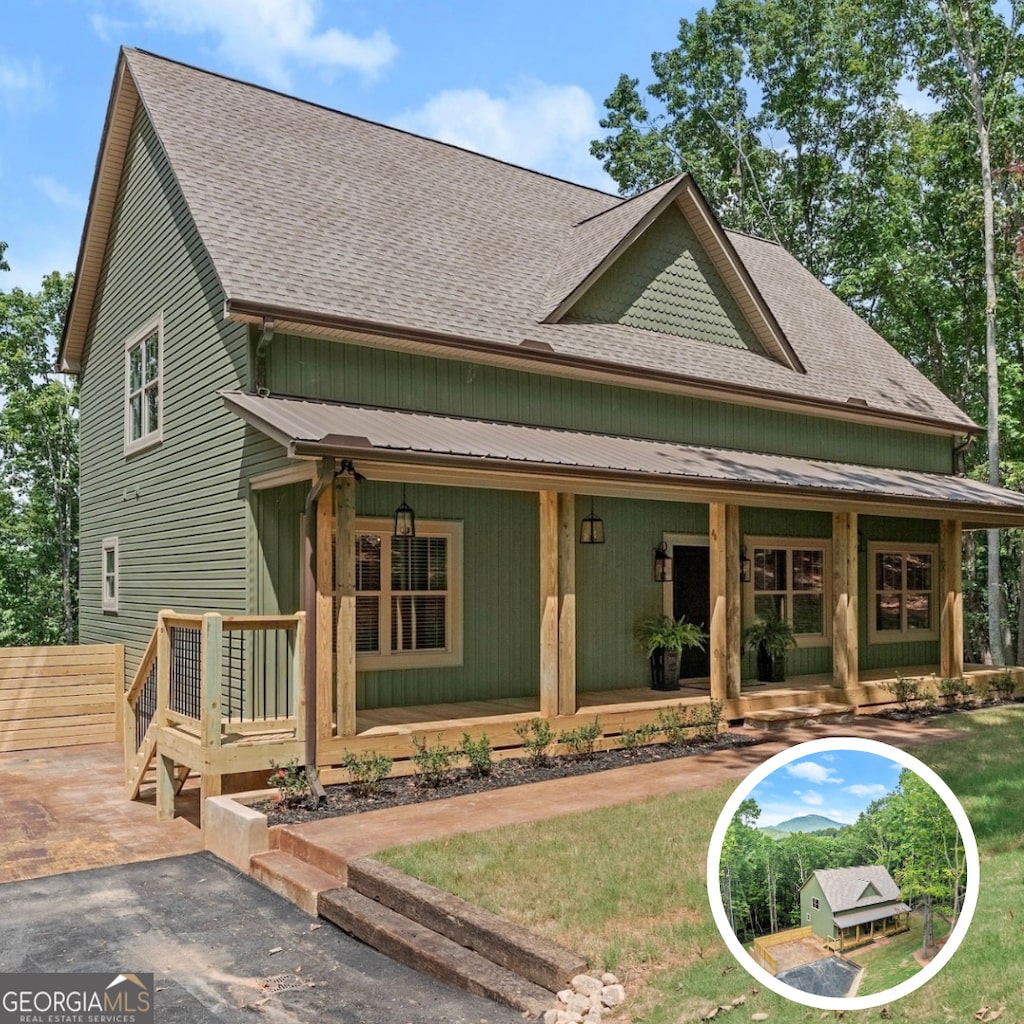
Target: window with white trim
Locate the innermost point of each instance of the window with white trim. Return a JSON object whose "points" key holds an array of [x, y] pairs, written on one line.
{"points": [[109, 575], [143, 386], [408, 595], [903, 579], [790, 578], [815, 903]]}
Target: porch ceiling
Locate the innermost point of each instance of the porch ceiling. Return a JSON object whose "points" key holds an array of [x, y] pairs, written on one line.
{"points": [[546, 458]]}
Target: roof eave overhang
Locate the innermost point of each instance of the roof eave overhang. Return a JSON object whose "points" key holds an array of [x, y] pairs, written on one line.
{"points": [[121, 107], [540, 357]]}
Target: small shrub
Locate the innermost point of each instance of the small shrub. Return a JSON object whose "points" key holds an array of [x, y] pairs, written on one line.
{"points": [[1004, 685], [367, 770], [952, 691], [290, 780], [633, 739], [581, 741], [904, 689], [707, 718], [433, 764], [537, 736], [478, 755], [929, 700], [676, 724]]}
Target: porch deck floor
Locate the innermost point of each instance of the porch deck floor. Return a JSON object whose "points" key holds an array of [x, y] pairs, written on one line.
{"points": [[592, 702]]}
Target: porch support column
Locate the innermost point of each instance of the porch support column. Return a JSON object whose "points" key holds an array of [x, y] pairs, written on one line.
{"points": [[845, 653], [548, 604], [951, 630], [345, 572], [724, 541], [324, 612], [566, 604]]}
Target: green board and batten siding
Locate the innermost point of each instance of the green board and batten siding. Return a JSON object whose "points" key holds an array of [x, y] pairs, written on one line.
{"points": [[820, 920], [176, 507], [323, 370]]}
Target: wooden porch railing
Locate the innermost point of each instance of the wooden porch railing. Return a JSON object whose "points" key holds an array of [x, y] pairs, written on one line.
{"points": [[217, 681]]}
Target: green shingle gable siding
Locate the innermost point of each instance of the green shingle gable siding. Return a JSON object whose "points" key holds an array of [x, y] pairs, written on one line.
{"points": [[334, 371], [665, 282], [175, 507], [820, 920]]}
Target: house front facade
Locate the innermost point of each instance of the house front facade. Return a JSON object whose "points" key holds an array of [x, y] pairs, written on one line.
{"points": [[848, 906], [297, 333]]}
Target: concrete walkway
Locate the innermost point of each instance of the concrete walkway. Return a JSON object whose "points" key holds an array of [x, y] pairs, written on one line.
{"points": [[358, 835], [64, 809]]}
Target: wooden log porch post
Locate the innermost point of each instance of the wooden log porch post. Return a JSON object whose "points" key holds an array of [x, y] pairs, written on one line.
{"points": [[345, 571], [548, 604], [324, 612], [566, 604], [724, 541], [951, 626], [845, 642]]}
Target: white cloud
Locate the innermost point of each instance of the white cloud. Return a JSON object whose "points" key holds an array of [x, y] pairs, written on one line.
{"points": [[544, 127], [844, 817], [266, 36], [22, 85], [58, 194], [110, 30], [862, 789], [813, 772], [813, 798]]}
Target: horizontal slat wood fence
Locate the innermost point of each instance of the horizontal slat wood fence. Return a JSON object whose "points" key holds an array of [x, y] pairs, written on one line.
{"points": [[59, 696]]}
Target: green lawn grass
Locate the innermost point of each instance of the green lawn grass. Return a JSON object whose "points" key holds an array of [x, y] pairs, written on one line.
{"points": [[888, 963], [626, 886]]}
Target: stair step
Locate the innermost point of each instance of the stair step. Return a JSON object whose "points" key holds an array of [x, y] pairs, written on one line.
{"points": [[425, 950], [294, 879], [505, 943], [293, 840], [770, 719]]}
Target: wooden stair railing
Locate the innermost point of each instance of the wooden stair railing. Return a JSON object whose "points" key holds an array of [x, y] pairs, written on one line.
{"points": [[141, 720]]}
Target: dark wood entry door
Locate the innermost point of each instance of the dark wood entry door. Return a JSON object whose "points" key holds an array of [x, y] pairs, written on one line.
{"points": [[691, 590]]}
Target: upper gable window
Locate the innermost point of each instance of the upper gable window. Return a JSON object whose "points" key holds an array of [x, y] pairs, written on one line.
{"points": [[143, 386]]}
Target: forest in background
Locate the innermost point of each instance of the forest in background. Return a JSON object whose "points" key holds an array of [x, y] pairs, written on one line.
{"points": [[910, 831], [879, 141]]}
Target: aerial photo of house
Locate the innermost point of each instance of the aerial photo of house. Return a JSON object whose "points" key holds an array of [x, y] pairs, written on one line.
{"points": [[387, 433]]}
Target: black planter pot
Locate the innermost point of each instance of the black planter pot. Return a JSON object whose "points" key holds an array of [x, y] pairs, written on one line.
{"points": [[769, 669], [664, 669]]}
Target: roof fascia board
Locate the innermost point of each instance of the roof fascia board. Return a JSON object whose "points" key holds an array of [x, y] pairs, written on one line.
{"points": [[631, 235], [540, 360], [117, 126]]}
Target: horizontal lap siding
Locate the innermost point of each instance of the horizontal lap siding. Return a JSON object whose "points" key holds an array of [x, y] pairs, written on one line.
{"points": [[334, 371], [57, 696], [176, 508]]}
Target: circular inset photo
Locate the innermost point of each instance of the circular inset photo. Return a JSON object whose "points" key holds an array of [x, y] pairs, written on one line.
{"points": [[843, 873]]}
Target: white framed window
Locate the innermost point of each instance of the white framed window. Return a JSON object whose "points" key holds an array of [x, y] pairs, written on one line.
{"points": [[408, 595], [901, 581], [791, 577], [815, 903], [143, 386], [109, 575]]}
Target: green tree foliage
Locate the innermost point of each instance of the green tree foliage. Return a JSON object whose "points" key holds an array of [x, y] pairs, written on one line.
{"points": [[38, 470], [793, 117]]}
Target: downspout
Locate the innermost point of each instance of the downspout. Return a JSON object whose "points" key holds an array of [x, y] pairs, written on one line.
{"points": [[960, 449], [325, 479]]}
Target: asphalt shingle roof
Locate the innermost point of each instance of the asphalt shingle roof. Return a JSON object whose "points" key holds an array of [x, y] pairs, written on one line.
{"points": [[307, 208], [844, 887]]}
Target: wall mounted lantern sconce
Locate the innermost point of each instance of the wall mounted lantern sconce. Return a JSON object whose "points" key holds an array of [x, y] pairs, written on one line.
{"points": [[591, 528], [405, 519], [744, 565], [662, 564]]}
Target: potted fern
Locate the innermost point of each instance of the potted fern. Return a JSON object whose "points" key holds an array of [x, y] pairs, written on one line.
{"points": [[772, 637], [663, 639]]}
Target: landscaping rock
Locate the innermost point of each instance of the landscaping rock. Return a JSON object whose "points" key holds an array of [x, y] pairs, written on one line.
{"points": [[565, 995], [609, 979], [586, 985], [578, 1003], [759, 1016], [739, 1000], [612, 995], [551, 1017]]}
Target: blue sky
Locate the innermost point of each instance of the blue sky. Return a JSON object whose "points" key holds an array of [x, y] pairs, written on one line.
{"points": [[837, 784], [522, 81]]}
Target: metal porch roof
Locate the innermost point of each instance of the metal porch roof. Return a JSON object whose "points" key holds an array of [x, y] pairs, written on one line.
{"points": [[875, 913], [368, 433]]}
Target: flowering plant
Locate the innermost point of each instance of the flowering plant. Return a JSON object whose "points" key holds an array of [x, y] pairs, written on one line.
{"points": [[290, 780]]}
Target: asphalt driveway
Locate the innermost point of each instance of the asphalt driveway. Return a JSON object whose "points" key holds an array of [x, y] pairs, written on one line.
{"points": [[220, 946]]}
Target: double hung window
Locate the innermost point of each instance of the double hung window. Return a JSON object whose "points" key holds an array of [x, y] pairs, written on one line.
{"points": [[789, 578], [143, 369], [903, 592]]}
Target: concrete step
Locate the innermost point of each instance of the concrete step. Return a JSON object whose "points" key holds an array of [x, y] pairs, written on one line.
{"points": [[772, 719], [425, 950], [503, 942], [292, 878]]}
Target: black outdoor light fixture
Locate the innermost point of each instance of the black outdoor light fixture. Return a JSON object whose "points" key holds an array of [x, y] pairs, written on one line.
{"points": [[405, 519], [744, 565], [591, 528], [662, 564]]}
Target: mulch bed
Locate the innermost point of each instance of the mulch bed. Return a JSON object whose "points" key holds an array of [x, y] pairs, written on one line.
{"points": [[399, 792]]}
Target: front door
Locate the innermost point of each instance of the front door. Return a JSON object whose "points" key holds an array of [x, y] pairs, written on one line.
{"points": [[691, 590]]}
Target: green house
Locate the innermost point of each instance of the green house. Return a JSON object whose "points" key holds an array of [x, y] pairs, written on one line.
{"points": [[375, 389], [847, 907]]}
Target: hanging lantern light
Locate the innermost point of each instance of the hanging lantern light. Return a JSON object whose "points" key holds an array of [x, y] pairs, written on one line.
{"points": [[591, 528], [744, 565], [405, 519], [662, 564]]}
